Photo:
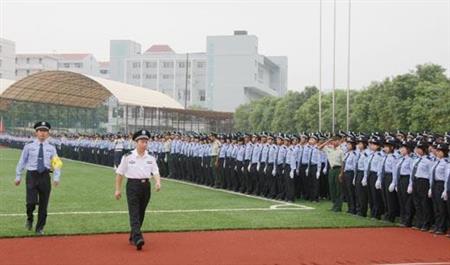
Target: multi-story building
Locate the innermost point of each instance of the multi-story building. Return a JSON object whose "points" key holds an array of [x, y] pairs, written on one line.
{"points": [[103, 69], [230, 73], [83, 63], [27, 64], [7, 57]]}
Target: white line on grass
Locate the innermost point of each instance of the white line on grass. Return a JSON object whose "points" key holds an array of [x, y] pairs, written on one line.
{"points": [[210, 188], [162, 211]]}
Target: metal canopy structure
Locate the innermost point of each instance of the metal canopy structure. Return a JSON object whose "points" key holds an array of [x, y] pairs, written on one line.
{"points": [[80, 99], [78, 90]]}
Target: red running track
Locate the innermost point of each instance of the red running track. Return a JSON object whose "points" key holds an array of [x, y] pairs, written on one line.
{"points": [[307, 246]]}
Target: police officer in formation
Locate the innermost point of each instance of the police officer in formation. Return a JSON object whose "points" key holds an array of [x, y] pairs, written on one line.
{"points": [[402, 176]]}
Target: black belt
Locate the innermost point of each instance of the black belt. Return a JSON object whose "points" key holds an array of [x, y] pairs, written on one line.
{"points": [[138, 180], [404, 176], [336, 167]]}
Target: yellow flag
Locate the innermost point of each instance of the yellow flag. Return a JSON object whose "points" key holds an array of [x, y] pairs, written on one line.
{"points": [[56, 163]]}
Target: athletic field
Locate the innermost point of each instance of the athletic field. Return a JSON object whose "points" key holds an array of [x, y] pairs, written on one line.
{"points": [[84, 203]]}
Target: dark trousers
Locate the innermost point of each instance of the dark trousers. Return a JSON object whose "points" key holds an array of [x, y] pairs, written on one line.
{"points": [[335, 188], [138, 196], [313, 182], [245, 176], [361, 194], [439, 206], [261, 180], [38, 193], [405, 201], [422, 203], [269, 180], [350, 191], [375, 197], [389, 198], [289, 184], [252, 179], [303, 179]]}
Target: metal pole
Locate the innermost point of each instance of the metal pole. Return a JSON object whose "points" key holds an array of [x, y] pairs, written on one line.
{"points": [[320, 67], [186, 81], [348, 64], [334, 71]]}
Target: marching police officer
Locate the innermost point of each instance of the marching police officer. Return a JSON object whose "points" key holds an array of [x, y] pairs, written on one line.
{"points": [[137, 166], [37, 158]]}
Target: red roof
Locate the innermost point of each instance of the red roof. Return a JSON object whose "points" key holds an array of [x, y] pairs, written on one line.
{"points": [[72, 56], [159, 48], [103, 64]]}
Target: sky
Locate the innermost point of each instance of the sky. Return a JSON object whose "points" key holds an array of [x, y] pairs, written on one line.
{"points": [[387, 37]]}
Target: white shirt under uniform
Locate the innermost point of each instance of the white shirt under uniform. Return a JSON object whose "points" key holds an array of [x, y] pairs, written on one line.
{"points": [[134, 166]]}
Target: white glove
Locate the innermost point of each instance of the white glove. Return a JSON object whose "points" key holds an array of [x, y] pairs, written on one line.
{"points": [[318, 174], [306, 171], [235, 168], [274, 172], [429, 193], [265, 170], [354, 181], [242, 169], [201, 164], [291, 174], [257, 167], [364, 182], [297, 171], [324, 170], [378, 185], [392, 187], [224, 163], [444, 196], [248, 168], [410, 189], [165, 159]]}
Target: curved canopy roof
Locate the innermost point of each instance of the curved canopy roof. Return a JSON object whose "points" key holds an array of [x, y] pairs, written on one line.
{"points": [[79, 90]]}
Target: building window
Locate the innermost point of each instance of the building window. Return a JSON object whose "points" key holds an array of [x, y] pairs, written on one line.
{"points": [[103, 71], [181, 64], [260, 73], [202, 94], [17, 72], [136, 65], [66, 65], [200, 64], [16, 60], [136, 76], [167, 76], [1, 48], [28, 72], [150, 64], [28, 60], [151, 76], [0, 63], [167, 64], [40, 60], [78, 65]]}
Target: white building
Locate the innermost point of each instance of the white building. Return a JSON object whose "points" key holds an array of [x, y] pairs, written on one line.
{"points": [[103, 69], [83, 63], [27, 64], [230, 73], [160, 68], [7, 59], [237, 73], [119, 50]]}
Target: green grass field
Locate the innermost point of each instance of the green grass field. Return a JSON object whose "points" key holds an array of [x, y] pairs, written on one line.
{"points": [[84, 203]]}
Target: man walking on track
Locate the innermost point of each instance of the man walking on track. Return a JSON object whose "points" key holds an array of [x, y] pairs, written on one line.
{"points": [[137, 166], [39, 158]]}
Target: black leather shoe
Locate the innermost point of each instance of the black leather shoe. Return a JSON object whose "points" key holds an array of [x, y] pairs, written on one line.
{"points": [[40, 232], [29, 225], [139, 244]]}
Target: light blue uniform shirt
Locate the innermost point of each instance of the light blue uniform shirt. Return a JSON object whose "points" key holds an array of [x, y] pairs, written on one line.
{"points": [[402, 168], [281, 156], [421, 168], [256, 154], [438, 170], [265, 153], [386, 166], [29, 158], [272, 156]]}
